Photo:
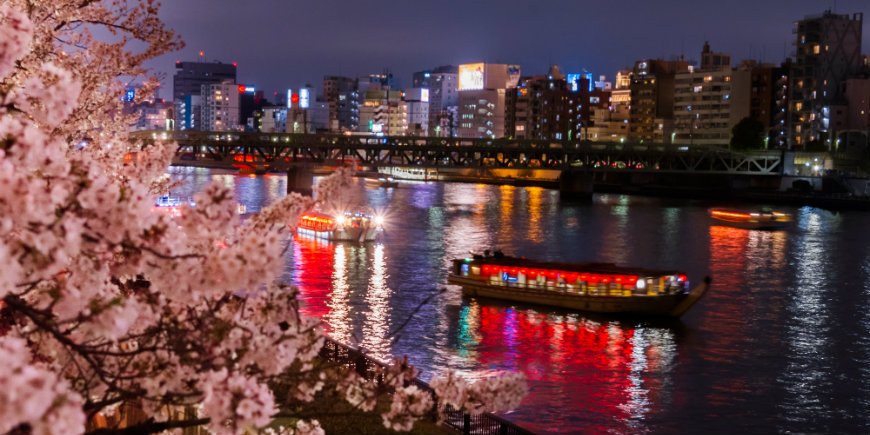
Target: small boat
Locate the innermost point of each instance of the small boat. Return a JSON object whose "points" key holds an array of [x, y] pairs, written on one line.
{"points": [[764, 219], [382, 182], [352, 227], [591, 287]]}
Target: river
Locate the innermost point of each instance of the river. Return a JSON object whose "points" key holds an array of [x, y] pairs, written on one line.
{"points": [[781, 342]]}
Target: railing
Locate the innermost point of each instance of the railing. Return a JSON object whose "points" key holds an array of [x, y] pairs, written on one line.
{"points": [[366, 366]]}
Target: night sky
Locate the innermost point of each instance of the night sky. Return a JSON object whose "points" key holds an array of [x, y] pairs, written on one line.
{"points": [[286, 43]]}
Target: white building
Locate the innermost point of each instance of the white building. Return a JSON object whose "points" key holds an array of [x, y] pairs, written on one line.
{"points": [[220, 107], [274, 119], [482, 90]]}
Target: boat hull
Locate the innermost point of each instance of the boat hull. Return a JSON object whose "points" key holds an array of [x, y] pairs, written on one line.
{"points": [[761, 226], [668, 305], [342, 235]]}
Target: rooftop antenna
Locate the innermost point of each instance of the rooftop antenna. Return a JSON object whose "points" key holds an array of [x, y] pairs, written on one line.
{"points": [[202, 55]]}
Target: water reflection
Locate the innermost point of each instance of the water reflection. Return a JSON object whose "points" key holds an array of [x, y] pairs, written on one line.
{"points": [[613, 365], [376, 326], [807, 375], [779, 344]]}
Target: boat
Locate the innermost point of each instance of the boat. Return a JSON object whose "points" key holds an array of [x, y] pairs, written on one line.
{"points": [[382, 182], [352, 227], [602, 288], [410, 173], [764, 219]]}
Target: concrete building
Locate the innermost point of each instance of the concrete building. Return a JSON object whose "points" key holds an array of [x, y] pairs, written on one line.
{"points": [[855, 140], [482, 89], [611, 123], [709, 103], [383, 112], [444, 102], [187, 85], [220, 107], [274, 119], [542, 107], [828, 52], [652, 99], [344, 103], [417, 102], [424, 79]]}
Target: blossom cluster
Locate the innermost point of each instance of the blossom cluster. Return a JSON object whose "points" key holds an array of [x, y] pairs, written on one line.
{"points": [[105, 303]]}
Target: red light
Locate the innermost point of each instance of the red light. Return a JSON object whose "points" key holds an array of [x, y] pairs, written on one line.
{"points": [[241, 89], [235, 64], [294, 98], [201, 53]]}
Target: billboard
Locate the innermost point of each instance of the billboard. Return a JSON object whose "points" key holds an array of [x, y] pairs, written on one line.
{"points": [[574, 81], [471, 76], [304, 98], [289, 98], [513, 78]]}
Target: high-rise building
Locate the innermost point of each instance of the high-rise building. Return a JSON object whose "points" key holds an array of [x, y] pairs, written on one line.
{"points": [[423, 79], [540, 107], [190, 76], [828, 52], [652, 99], [611, 123], [482, 89], [341, 93], [220, 107], [187, 87], [443, 84]]}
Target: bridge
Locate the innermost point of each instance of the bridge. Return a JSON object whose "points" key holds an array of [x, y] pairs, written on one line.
{"points": [[579, 161]]}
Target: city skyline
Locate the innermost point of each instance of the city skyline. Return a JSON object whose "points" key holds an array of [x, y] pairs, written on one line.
{"points": [[607, 41]]}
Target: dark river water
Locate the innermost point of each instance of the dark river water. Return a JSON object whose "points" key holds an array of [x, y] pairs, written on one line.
{"points": [[780, 344]]}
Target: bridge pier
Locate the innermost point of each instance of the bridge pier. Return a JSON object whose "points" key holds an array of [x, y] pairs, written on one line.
{"points": [[300, 179], [575, 185]]}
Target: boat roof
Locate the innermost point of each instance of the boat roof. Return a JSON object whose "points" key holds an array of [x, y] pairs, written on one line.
{"points": [[572, 267], [314, 214]]}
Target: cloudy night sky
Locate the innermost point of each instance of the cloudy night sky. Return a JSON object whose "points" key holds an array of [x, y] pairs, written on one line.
{"points": [[284, 43]]}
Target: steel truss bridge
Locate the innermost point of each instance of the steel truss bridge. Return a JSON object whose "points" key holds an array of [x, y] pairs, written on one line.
{"points": [[283, 150]]}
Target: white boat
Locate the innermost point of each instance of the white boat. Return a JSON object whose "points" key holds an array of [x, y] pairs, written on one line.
{"points": [[410, 173], [351, 227]]}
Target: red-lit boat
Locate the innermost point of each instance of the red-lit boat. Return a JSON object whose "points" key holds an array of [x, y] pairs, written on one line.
{"points": [[591, 287], [352, 227], [752, 220]]}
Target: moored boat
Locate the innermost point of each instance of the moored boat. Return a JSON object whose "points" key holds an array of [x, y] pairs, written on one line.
{"points": [[590, 287], [410, 173], [763, 219], [352, 227]]}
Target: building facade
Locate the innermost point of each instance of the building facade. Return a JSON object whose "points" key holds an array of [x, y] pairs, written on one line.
{"points": [[220, 107], [652, 99], [482, 89], [187, 85], [828, 52], [341, 93]]}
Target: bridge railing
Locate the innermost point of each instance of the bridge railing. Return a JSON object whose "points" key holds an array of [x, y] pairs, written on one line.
{"points": [[367, 366]]}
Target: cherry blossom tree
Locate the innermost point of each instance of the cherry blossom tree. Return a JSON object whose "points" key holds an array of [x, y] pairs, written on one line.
{"points": [[106, 306]]}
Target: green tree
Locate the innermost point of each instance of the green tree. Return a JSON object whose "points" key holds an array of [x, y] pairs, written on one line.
{"points": [[748, 134]]}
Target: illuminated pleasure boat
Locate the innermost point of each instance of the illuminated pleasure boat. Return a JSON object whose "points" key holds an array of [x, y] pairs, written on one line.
{"points": [[382, 182], [752, 220], [591, 287], [348, 226]]}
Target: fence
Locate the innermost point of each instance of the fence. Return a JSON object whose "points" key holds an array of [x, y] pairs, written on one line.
{"points": [[366, 366]]}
